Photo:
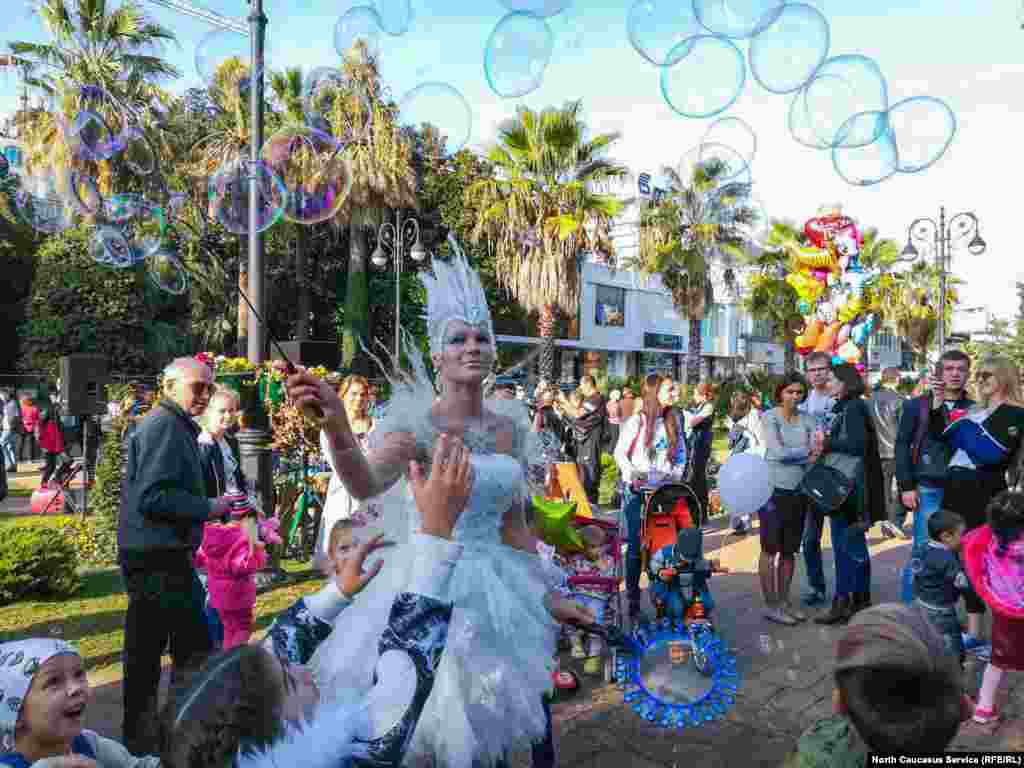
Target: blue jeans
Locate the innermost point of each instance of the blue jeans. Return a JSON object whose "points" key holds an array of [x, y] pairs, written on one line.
{"points": [[632, 511], [814, 524], [853, 561], [8, 446], [928, 502]]}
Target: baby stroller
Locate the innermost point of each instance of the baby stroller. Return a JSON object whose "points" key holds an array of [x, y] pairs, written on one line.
{"points": [[597, 582], [667, 509]]}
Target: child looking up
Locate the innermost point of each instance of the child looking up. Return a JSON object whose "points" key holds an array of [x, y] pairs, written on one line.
{"points": [[994, 562], [43, 697]]}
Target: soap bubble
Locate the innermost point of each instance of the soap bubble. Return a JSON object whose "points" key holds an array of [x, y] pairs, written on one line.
{"points": [[40, 204], [540, 8], [395, 15], [924, 128], [138, 154], [229, 197], [220, 46], [734, 167], [738, 19], [322, 86], [517, 53], [843, 87], [733, 133], [121, 208], [314, 170], [657, 29], [707, 80], [443, 107], [91, 138], [786, 55], [109, 246], [167, 273], [359, 24], [83, 193], [865, 164]]}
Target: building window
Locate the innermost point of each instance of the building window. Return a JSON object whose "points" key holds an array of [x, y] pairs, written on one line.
{"points": [[610, 306]]}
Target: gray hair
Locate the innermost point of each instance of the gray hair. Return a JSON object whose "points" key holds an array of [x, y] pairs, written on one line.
{"points": [[182, 365]]}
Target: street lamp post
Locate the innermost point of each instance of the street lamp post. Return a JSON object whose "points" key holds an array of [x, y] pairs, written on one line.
{"points": [[257, 333], [402, 236], [944, 237]]}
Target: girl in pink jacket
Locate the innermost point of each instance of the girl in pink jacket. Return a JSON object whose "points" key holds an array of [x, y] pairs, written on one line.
{"points": [[232, 554]]}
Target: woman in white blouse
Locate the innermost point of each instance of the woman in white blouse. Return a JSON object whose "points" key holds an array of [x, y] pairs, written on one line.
{"points": [[341, 505], [650, 442]]}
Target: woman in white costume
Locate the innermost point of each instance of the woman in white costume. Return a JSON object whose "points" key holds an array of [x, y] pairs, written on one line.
{"points": [[487, 699]]}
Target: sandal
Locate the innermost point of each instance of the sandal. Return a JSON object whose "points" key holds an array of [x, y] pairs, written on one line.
{"points": [[985, 716], [779, 616]]}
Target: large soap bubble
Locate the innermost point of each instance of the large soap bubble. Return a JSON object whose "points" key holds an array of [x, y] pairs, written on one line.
{"points": [[745, 484], [83, 193], [658, 27], [707, 80], [91, 137], [138, 155], [229, 197], [217, 48], [441, 106], [738, 19], [843, 87], [540, 8], [924, 128], [785, 56], [731, 132], [40, 203], [166, 272], [314, 170], [395, 15], [110, 247], [864, 165], [361, 24], [321, 89], [723, 162], [517, 54]]}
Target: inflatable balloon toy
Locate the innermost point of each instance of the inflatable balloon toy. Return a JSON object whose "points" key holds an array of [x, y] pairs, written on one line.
{"points": [[804, 307], [813, 257], [808, 340], [850, 310], [844, 335], [744, 483], [554, 524], [827, 340]]}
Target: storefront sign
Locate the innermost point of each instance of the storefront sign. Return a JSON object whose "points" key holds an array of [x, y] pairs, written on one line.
{"points": [[663, 341]]}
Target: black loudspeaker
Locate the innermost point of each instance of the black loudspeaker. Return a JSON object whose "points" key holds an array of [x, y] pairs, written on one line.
{"points": [[83, 384], [310, 353]]}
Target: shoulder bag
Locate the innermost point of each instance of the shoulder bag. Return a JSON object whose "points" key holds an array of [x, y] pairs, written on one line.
{"points": [[930, 457], [830, 480]]}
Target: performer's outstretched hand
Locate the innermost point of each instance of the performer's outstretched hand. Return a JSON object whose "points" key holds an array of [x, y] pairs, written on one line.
{"points": [[442, 497], [350, 576], [308, 391]]}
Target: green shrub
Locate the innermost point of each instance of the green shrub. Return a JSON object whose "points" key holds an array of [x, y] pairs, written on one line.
{"points": [[607, 491], [37, 560]]}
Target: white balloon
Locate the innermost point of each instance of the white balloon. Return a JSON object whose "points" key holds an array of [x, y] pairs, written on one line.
{"points": [[744, 484]]}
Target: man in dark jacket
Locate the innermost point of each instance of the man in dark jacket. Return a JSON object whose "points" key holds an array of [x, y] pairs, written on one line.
{"points": [[885, 406], [164, 506], [920, 460], [590, 426]]}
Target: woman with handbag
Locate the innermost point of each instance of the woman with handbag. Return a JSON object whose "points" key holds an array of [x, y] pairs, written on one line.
{"points": [[851, 447], [788, 435], [984, 443]]}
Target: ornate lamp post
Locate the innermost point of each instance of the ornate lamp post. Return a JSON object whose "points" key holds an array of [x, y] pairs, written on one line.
{"points": [[961, 230], [398, 238]]}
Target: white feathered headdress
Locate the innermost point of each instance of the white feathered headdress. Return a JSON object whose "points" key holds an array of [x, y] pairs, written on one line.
{"points": [[454, 292]]}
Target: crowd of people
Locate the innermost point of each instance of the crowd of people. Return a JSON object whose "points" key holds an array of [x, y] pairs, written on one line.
{"points": [[441, 649]]}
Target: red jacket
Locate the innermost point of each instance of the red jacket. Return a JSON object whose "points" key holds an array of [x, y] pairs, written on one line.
{"points": [[51, 439], [230, 567]]}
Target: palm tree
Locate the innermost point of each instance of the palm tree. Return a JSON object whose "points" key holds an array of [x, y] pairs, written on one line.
{"points": [[702, 219], [287, 87], [769, 296], [99, 58], [545, 206], [908, 300], [383, 177]]}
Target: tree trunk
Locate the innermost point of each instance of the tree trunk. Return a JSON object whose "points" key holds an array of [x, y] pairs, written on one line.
{"points": [[302, 283], [356, 300], [243, 308], [693, 352], [546, 328], [790, 348]]}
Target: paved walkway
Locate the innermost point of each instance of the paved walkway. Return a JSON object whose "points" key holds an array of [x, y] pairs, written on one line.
{"points": [[786, 685]]}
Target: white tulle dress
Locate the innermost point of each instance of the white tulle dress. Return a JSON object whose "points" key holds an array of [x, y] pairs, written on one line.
{"points": [[486, 700]]}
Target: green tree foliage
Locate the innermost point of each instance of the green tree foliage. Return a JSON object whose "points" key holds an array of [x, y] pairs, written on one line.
{"points": [[78, 306]]}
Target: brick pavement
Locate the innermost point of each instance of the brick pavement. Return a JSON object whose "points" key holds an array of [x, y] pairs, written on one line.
{"points": [[786, 684]]}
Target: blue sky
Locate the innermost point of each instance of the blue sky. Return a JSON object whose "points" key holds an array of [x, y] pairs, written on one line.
{"points": [[970, 54]]}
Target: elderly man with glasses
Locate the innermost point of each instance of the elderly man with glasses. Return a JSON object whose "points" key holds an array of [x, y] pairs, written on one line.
{"points": [[164, 507]]}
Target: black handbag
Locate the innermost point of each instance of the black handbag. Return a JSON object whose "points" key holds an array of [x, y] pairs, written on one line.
{"points": [[830, 480]]}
